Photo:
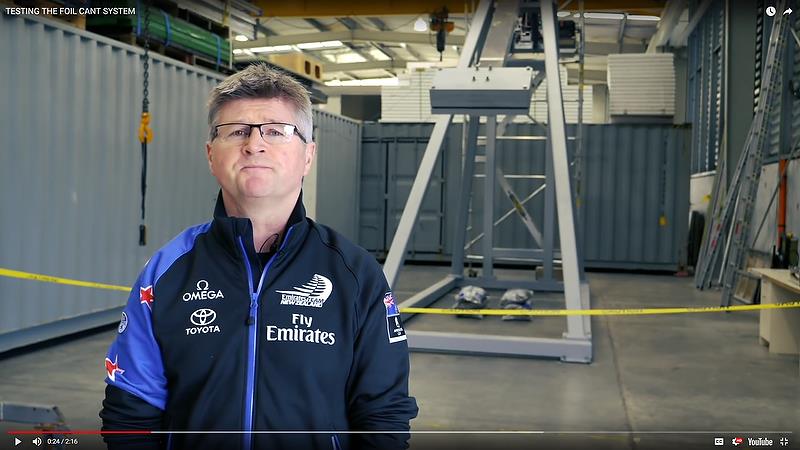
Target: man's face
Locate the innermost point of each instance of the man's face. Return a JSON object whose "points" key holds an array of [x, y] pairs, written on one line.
{"points": [[256, 169]]}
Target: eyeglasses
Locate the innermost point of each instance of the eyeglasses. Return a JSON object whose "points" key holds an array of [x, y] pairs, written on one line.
{"points": [[275, 133]]}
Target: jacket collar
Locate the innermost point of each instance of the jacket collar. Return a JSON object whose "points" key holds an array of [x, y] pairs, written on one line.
{"points": [[229, 229]]}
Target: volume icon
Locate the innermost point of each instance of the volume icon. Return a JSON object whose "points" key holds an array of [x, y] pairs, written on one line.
{"points": [[37, 442]]}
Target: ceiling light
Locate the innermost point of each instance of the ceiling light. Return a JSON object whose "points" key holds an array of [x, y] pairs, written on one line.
{"points": [[272, 49], [318, 45], [648, 18], [403, 44], [350, 57], [241, 38], [421, 25], [378, 55], [600, 15], [563, 14], [455, 48], [238, 51]]}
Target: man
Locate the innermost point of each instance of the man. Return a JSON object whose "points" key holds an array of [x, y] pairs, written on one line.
{"points": [[262, 319]]}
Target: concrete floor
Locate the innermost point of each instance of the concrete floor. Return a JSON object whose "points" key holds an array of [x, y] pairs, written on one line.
{"points": [[669, 381]]}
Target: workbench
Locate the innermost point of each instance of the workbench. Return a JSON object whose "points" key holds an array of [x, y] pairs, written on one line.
{"points": [[779, 328]]}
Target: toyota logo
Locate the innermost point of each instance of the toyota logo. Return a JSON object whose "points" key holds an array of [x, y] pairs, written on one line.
{"points": [[203, 316]]}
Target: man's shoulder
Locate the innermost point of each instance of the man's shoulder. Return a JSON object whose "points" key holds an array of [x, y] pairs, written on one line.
{"points": [[353, 255], [165, 257]]}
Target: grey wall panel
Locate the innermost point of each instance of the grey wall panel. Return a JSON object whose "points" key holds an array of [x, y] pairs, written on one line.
{"points": [[337, 164], [391, 154], [706, 78], [70, 165], [372, 200], [634, 174]]}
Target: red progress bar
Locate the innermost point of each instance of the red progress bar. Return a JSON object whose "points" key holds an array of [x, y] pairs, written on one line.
{"points": [[23, 432]]}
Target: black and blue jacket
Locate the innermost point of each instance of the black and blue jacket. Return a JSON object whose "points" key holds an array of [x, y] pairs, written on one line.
{"points": [[298, 347]]}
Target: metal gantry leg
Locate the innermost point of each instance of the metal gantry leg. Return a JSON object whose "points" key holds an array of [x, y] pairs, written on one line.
{"points": [[576, 343], [467, 169], [489, 185], [397, 251]]}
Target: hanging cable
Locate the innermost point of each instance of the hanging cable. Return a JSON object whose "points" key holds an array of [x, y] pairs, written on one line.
{"points": [[145, 132]]}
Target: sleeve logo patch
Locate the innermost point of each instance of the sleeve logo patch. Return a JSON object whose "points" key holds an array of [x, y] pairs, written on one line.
{"points": [[123, 323], [394, 326]]}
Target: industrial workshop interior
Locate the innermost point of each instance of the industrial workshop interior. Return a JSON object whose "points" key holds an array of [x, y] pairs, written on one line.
{"points": [[587, 210]]}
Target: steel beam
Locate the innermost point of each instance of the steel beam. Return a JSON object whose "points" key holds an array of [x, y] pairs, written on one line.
{"points": [[494, 283], [570, 350], [490, 168], [347, 36], [669, 19], [397, 251], [566, 221], [683, 37], [429, 295], [468, 169]]}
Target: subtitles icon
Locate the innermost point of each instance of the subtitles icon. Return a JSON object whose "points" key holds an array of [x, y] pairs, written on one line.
{"points": [[737, 441], [771, 11], [719, 441]]}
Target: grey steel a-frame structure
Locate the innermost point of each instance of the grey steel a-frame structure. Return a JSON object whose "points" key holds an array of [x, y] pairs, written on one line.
{"points": [[487, 46]]}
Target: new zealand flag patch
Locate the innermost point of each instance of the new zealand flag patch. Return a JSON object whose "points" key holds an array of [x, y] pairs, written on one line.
{"points": [[394, 326]]}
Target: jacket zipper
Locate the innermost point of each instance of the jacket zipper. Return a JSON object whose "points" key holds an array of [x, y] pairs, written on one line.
{"points": [[252, 334], [335, 442]]}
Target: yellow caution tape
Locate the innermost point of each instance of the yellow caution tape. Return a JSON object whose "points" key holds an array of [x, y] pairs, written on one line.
{"points": [[442, 311], [597, 312], [48, 279]]}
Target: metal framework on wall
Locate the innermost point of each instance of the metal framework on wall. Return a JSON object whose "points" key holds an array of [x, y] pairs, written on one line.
{"points": [[706, 48], [489, 46]]}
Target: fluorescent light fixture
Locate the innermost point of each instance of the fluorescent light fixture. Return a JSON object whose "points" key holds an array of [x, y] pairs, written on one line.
{"points": [[455, 48], [389, 81], [647, 18], [421, 25], [350, 57], [564, 14], [241, 38], [318, 45], [272, 49], [238, 51], [403, 44], [601, 15], [379, 55]]}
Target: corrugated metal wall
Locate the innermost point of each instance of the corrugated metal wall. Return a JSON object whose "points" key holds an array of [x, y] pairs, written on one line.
{"points": [[70, 166], [331, 190], [390, 156], [634, 174], [705, 83], [795, 50], [785, 125]]}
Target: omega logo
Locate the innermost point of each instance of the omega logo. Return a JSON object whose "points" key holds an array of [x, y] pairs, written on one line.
{"points": [[202, 293]]}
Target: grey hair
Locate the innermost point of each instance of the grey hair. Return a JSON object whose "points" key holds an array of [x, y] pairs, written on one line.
{"points": [[264, 82]]}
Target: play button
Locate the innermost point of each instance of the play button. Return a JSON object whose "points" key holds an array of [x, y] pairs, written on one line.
{"points": [[17, 442]]}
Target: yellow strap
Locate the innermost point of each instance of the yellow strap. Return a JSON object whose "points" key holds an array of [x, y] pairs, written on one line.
{"points": [[442, 311], [59, 280], [598, 312]]}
